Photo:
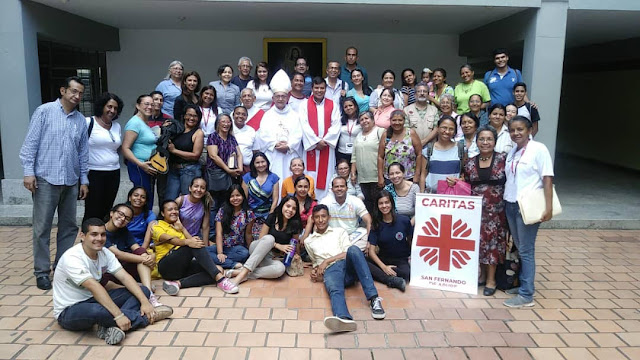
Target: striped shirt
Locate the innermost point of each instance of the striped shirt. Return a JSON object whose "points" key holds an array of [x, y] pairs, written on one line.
{"points": [[55, 147]]}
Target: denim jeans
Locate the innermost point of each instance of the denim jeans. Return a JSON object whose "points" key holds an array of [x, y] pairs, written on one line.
{"points": [[235, 254], [85, 314], [179, 179], [140, 178], [524, 237], [46, 199], [344, 273]]}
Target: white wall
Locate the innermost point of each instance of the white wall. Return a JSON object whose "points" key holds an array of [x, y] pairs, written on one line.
{"points": [[145, 55]]}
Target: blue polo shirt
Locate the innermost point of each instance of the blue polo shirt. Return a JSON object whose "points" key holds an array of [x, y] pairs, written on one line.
{"points": [[501, 89]]}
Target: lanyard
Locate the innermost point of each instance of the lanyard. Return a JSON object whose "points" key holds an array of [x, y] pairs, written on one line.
{"points": [[350, 130], [205, 117], [515, 170]]}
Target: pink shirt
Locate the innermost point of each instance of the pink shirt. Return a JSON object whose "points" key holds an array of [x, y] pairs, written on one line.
{"points": [[382, 118]]}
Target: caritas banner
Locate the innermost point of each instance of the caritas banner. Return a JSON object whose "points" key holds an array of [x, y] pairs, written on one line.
{"points": [[446, 240]]}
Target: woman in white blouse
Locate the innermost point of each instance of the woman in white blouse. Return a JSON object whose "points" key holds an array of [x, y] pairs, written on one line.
{"points": [[104, 161], [261, 88]]}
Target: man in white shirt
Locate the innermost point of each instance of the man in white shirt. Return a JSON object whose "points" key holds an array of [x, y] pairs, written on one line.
{"points": [[245, 135], [280, 134], [346, 211], [320, 121], [336, 88], [296, 97], [79, 299], [339, 264], [254, 113]]}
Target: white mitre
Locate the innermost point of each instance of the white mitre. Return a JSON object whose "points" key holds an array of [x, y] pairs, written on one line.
{"points": [[280, 82]]}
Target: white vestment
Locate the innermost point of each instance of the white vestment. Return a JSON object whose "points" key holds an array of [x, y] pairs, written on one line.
{"points": [[310, 138], [280, 125]]}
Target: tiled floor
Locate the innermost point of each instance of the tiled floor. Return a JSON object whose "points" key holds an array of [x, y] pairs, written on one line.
{"points": [[588, 294]]}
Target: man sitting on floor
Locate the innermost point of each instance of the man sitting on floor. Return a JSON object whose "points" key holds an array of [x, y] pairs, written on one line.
{"points": [[79, 299], [341, 264]]}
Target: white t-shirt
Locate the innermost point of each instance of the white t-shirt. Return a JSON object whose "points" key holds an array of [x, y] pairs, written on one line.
{"points": [[73, 269], [208, 123], [103, 146], [264, 95], [525, 168], [245, 138], [504, 144]]}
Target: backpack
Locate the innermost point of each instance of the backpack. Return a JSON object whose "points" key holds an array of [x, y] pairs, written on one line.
{"points": [[461, 154]]}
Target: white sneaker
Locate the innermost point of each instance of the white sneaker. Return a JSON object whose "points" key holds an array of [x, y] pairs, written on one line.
{"points": [[154, 301], [337, 324]]}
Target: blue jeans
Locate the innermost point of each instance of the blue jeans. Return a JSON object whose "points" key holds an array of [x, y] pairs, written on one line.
{"points": [[46, 199], [140, 178], [344, 273], [179, 180], [235, 254], [85, 314], [524, 237]]}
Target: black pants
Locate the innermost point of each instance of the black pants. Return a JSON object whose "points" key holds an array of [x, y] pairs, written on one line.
{"points": [[179, 264], [370, 191], [403, 269], [161, 189], [103, 188]]}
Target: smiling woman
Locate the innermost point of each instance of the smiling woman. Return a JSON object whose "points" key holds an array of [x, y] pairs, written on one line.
{"points": [[228, 94], [104, 142], [185, 152]]}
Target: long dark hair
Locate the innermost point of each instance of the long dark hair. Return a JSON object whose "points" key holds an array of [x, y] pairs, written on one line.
{"points": [[309, 200], [252, 165], [345, 117], [256, 80], [184, 85], [145, 208], [394, 113], [214, 104], [294, 225], [365, 84], [228, 210], [377, 215]]}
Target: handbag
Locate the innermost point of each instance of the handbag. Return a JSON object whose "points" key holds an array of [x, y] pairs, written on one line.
{"points": [[460, 188], [296, 268], [159, 163], [218, 179], [508, 272], [532, 204]]}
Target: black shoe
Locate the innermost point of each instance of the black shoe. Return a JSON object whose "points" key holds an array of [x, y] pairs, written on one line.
{"points": [[397, 282], [43, 283], [488, 291], [377, 312]]}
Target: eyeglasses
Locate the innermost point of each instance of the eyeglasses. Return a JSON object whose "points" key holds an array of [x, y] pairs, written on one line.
{"points": [[485, 140], [279, 97], [123, 215]]}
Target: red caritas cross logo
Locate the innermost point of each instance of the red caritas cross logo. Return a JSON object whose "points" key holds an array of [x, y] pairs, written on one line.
{"points": [[446, 243]]}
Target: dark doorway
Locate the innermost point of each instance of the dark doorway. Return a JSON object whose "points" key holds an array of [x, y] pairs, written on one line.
{"points": [[58, 61]]}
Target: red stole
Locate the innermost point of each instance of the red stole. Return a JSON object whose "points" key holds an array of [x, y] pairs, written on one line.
{"points": [[254, 122], [324, 153]]}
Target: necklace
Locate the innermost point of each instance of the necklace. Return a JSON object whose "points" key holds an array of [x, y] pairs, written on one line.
{"points": [[467, 87], [485, 158]]}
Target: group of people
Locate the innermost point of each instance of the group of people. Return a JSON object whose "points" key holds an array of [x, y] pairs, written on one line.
{"points": [[268, 166]]}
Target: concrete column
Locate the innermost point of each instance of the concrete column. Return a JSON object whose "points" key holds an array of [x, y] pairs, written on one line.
{"points": [[19, 61], [542, 65]]}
